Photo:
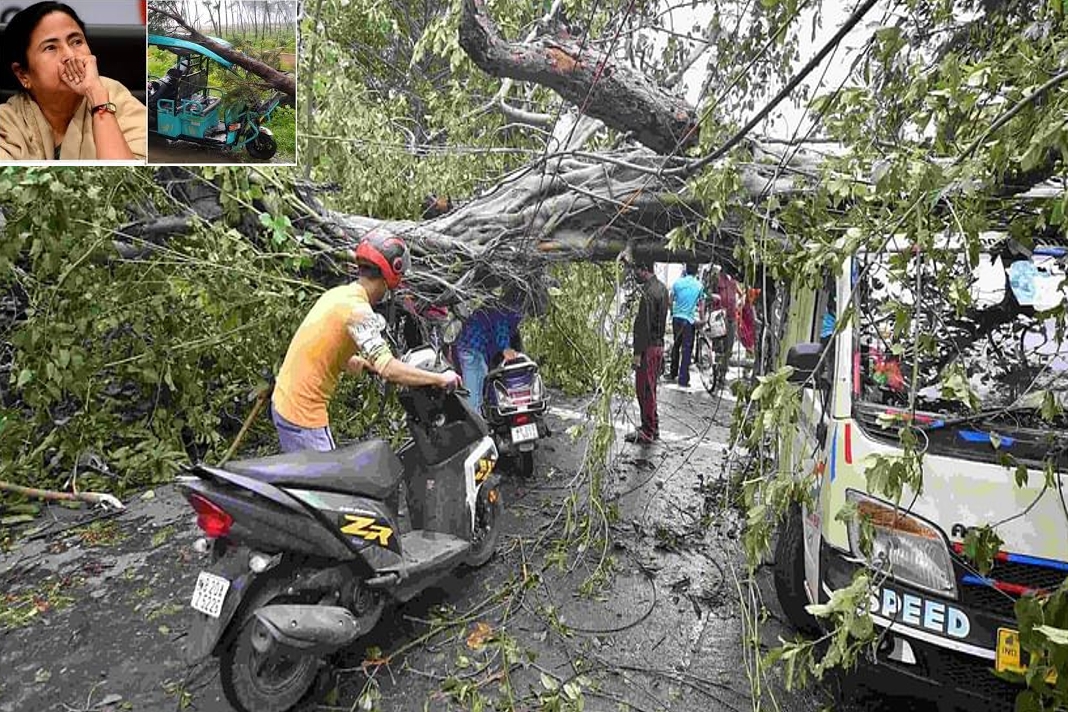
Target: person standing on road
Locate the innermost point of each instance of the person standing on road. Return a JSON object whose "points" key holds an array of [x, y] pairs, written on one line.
{"points": [[648, 337], [342, 333], [687, 308], [727, 289]]}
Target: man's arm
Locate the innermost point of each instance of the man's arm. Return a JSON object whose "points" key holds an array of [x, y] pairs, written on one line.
{"points": [[396, 371], [365, 328], [502, 332]]}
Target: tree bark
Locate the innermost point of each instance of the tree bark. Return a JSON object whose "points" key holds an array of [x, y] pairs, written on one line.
{"points": [[568, 207], [285, 83], [598, 83]]}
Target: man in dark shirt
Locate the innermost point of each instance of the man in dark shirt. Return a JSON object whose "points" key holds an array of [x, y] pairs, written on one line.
{"points": [[649, 325]]}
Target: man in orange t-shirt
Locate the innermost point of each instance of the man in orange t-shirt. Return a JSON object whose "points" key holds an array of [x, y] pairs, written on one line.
{"points": [[342, 333]]}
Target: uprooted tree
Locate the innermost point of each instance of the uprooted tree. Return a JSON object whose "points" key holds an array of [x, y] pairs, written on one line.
{"points": [[143, 307], [166, 17], [623, 161]]}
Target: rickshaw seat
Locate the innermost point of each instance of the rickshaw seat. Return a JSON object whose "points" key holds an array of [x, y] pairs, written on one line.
{"points": [[192, 84], [168, 86]]}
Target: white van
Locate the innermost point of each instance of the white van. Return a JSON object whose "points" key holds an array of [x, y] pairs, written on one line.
{"points": [[987, 365]]}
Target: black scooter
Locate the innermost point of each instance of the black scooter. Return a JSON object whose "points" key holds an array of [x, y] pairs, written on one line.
{"points": [[306, 548]]}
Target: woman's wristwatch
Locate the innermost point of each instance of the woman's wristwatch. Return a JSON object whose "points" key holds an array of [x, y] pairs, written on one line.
{"points": [[101, 108]]}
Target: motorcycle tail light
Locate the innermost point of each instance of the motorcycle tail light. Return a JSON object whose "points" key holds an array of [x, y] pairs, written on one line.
{"points": [[211, 518], [521, 419]]}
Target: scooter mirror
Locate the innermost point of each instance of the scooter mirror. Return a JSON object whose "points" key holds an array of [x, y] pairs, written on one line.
{"points": [[451, 332], [424, 357]]}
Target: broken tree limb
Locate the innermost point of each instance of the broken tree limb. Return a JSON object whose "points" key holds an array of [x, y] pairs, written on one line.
{"points": [[605, 87], [52, 495], [261, 400], [565, 206]]}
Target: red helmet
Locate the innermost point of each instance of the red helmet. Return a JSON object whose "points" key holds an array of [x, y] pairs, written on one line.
{"points": [[388, 253]]}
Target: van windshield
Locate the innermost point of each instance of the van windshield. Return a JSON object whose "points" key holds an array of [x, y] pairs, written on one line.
{"points": [[986, 329]]}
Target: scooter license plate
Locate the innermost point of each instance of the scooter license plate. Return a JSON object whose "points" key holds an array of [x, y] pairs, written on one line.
{"points": [[209, 594], [523, 433]]}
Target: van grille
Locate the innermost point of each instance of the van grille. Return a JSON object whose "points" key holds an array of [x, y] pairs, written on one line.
{"points": [[983, 595]]}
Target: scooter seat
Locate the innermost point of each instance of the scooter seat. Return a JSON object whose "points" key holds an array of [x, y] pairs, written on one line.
{"points": [[369, 468]]}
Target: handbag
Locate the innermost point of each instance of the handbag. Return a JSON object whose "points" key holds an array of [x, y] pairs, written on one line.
{"points": [[717, 323]]}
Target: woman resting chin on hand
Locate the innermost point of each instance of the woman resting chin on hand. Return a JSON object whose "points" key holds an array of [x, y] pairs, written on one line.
{"points": [[66, 109]]}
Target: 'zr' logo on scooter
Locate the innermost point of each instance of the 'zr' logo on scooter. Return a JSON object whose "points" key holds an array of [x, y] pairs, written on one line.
{"points": [[366, 528]]}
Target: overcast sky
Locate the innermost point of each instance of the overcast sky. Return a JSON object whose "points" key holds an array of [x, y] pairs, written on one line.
{"points": [[832, 72]]}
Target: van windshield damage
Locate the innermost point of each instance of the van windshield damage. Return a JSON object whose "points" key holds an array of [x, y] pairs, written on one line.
{"points": [[984, 328]]}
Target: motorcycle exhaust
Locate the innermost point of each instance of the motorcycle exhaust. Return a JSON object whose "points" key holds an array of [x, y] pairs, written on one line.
{"points": [[317, 630]]}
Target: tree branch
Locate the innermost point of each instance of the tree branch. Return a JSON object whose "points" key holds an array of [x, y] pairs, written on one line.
{"points": [[610, 90]]}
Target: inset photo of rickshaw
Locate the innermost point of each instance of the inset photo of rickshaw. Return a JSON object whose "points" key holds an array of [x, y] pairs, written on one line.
{"points": [[221, 82], [70, 82]]}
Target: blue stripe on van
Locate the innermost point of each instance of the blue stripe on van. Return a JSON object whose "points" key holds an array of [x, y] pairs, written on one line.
{"points": [[973, 580], [976, 436], [1037, 561], [834, 453]]}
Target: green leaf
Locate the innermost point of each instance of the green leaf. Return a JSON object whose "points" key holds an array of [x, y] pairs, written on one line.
{"points": [[981, 544], [1057, 636], [1022, 475], [16, 519], [25, 376], [1050, 407]]}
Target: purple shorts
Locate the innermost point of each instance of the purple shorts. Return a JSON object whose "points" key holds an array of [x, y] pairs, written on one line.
{"points": [[294, 437]]}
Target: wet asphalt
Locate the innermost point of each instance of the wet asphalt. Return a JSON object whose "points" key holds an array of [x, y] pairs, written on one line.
{"points": [[664, 632]]}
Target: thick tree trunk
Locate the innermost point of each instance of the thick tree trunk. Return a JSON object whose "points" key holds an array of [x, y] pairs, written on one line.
{"points": [[598, 83], [568, 207]]}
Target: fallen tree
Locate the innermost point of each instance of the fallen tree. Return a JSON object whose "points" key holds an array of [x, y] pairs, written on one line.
{"points": [[571, 206], [573, 202], [273, 78]]}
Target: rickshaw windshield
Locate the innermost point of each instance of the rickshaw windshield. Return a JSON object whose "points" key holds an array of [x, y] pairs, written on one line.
{"points": [[985, 329]]}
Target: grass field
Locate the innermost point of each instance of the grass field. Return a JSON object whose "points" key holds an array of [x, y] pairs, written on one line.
{"points": [[159, 61], [284, 125]]}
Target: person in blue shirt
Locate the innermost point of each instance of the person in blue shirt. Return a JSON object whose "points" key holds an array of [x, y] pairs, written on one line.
{"points": [[687, 307], [489, 331]]}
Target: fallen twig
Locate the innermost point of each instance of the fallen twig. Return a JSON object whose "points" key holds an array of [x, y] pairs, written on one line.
{"points": [[52, 495], [261, 400]]}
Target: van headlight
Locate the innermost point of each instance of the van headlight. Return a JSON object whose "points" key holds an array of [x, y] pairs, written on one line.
{"points": [[904, 546]]}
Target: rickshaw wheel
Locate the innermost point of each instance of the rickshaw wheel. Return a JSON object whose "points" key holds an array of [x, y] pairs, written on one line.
{"points": [[262, 147]]}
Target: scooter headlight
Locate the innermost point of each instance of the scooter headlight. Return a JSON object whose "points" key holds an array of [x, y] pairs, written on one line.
{"points": [[904, 546]]}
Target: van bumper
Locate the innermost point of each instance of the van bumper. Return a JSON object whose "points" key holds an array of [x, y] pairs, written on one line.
{"points": [[945, 645]]}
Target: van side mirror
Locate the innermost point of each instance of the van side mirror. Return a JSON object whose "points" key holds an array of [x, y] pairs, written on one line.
{"points": [[805, 359]]}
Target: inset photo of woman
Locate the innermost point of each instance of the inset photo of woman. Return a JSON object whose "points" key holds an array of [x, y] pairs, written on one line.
{"points": [[71, 81]]}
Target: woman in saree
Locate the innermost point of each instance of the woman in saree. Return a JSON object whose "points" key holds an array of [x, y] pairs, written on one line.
{"points": [[66, 110]]}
